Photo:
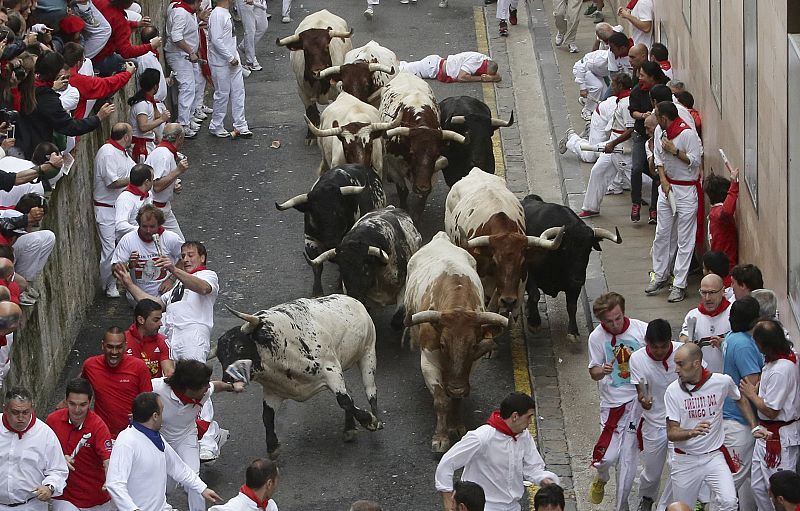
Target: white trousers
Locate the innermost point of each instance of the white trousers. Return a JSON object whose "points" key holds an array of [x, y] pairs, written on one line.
{"points": [[603, 172], [760, 472], [653, 456], [740, 443], [191, 342], [675, 234], [567, 17], [170, 222], [254, 22], [94, 38], [63, 505], [228, 87], [503, 6], [189, 451], [286, 8], [574, 145], [596, 88], [621, 453], [31, 252], [191, 85], [690, 471], [425, 68]]}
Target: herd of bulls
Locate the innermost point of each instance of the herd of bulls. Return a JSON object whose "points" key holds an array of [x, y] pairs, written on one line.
{"points": [[455, 294]]}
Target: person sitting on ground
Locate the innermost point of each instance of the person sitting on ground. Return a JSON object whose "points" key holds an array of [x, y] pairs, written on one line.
{"points": [[468, 66], [660, 55], [745, 278], [550, 497]]}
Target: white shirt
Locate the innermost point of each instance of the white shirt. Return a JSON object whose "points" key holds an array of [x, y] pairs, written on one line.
{"points": [[618, 64], [778, 388], [594, 62], [621, 119], [675, 168], [69, 98], [644, 11], [707, 326], [110, 164], [646, 370], [242, 502], [150, 61], [179, 419], [163, 162], [616, 388], [689, 410], [497, 462], [598, 126], [181, 26], [35, 459], [126, 208], [13, 196], [221, 41], [468, 61], [146, 108], [87, 69], [137, 473], [184, 307], [146, 275]]}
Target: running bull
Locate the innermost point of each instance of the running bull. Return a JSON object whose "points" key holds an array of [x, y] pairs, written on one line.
{"points": [[365, 71]]}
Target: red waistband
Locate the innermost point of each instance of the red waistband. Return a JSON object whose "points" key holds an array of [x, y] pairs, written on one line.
{"points": [[102, 205], [160, 204], [619, 132], [142, 139], [683, 183], [681, 451]]}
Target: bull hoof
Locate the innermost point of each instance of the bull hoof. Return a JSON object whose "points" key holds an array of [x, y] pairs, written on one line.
{"points": [[440, 445], [457, 432], [349, 436], [374, 424]]}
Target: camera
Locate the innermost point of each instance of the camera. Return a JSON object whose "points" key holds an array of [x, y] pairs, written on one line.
{"points": [[8, 116]]}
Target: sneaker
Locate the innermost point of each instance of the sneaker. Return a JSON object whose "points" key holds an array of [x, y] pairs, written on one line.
{"points": [[199, 114], [245, 71], [646, 504], [369, 13], [224, 436], [573, 48], [503, 28], [597, 17], [221, 133], [653, 220], [256, 66], [245, 133], [654, 287], [207, 456], [194, 126], [187, 133], [676, 294], [581, 101], [489, 2], [559, 39], [286, 19], [586, 116], [562, 144], [442, 4], [112, 291], [404, 2], [699, 506], [586, 128], [207, 109], [588, 214], [33, 292], [597, 491], [26, 300], [636, 210], [590, 10], [512, 16], [613, 190]]}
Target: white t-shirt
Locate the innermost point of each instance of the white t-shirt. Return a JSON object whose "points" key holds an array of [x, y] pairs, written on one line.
{"points": [[110, 164], [644, 11], [163, 162], [779, 390], [616, 388], [242, 502], [707, 326], [150, 61], [621, 119], [146, 275], [142, 107], [646, 370], [689, 410], [184, 307], [179, 419], [126, 208], [181, 26], [468, 61]]}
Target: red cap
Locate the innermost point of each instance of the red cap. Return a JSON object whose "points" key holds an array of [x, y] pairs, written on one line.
{"points": [[71, 24]]}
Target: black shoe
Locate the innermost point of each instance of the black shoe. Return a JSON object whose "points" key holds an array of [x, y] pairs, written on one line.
{"points": [[503, 29], [590, 10], [512, 16], [489, 2]]}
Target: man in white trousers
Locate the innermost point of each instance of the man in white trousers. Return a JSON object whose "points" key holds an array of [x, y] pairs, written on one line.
{"points": [[591, 73], [652, 370], [112, 167], [506, 13], [567, 17], [599, 132], [677, 156], [694, 405], [261, 480], [168, 165], [226, 71], [254, 22], [611, 345], [181, 52]]}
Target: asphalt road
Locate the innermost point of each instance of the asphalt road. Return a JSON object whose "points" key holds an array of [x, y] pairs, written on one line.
{"points": [[228, 203]]}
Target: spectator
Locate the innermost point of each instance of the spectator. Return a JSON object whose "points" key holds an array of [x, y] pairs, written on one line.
{"points": [[686, 99], [660, 55], [32, 246], [550, 497], [784, 490], [168, 165], [18, 75], [639, 13], [768, 303], [141, 462], [144, 341], [659, 93], [709, 322], [261, 480], [34, 470], [10, 315], [96, 30], [132, 198], [722, 233], [676, 86], [109, 59], [745, 278], [86, 444], [91, 87], [150, 60], [146, 115], [567, 18], [468, 496], [116, 379], [777, 400], [7, 280]]}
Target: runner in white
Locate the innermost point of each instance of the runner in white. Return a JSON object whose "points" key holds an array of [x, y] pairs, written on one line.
{"points": [[639, 13], [694, 424], [168, 165], [468, 66], [591, 73], [708, 324], [261, 480], [598, 132], [132, 198]]}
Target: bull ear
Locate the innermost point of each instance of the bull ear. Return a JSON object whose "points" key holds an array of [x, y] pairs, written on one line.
{"points": [[335, 124]]}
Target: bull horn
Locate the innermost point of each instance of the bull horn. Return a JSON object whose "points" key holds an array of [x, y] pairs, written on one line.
{"points": [[500, 123], [351, 190], [375, 95], [330, 132], [441, 163], [400, 131], [480, 241], [606, 234], [327, 72], [325, 256], [375, 251], [426, 317], [492, 318], [287, 40], [541, 242], [294, 201], [454, 136], [383, 126], [551, 233], [343, 35], [253, 322], [458, 119], [383, 68]]}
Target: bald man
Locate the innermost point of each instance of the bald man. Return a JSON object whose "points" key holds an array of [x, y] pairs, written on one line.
{"points": [[10, 315], [637, 56], [678, 506], [603, 31], [708, 323], [694, 424]]}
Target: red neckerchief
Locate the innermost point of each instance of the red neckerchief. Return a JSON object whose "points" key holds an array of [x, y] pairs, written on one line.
{"points": [[20, 433], [43, 83], [3, 341], [160, 232], [704, 376], [199, 268], [186, 399], [665, 65], [152, 100], [500, 425], [134, 330], [625, 325], [632, 4], [250, 494], [483, 68], [716, 312], [676, 127], [169, 146], [155, 52], [622, 95], [644, 87], [183, 5], [135, 190], [116, 144], [785, 356], [663, 360]]}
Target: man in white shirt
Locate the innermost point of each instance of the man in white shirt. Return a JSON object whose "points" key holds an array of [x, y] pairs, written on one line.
{"points": [[132, 198], [33, 469], [599, 131], [618, 48], [168, 165], [32, 245], [467, 66], [96, 30], [226, 71], [112, 165], [611, 345], [639, 13], [141, 461], [150, 61], [708, 324], [677, 156], [652, 370], [693, 405], [498, 456], [261, 480], [591, 74]]}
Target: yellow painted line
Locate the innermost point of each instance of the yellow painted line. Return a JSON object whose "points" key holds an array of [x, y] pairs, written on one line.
{"points": [[488, 90]]}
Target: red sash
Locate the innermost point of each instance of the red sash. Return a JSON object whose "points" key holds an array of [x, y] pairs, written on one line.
{"points": [[701, 208], [442, 75], [773, 455], [600, 448]]}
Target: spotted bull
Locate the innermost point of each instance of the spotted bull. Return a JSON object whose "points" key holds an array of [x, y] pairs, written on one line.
{"points": [[365, 71]]}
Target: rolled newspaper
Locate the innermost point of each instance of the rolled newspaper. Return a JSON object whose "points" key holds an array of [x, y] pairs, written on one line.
{"points": [[601, 148], [240, 370], [156, 240], [673, 205]]}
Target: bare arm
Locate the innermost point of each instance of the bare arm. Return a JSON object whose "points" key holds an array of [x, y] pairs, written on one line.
{"points": [[162, 183], [675, 433], [599, 372], [123, 275], [120, 183]]}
